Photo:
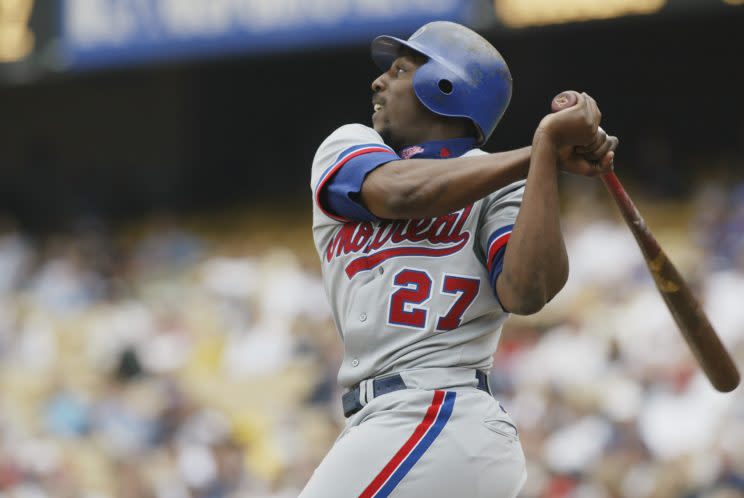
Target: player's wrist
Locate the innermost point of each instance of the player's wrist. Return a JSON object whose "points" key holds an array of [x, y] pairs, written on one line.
{"points": [[545, 137]]}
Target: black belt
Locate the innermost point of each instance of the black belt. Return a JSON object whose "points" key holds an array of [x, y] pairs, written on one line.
{"points": [[352, 402]]}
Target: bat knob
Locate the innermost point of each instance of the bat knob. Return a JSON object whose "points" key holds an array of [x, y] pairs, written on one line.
{"points": [[564, 100]]}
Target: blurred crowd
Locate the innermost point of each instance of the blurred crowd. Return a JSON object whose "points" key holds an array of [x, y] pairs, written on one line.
{"points": [[197, 359]]}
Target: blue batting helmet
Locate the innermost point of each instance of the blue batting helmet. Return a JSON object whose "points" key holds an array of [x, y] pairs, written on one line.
{"points": [[465, 76]]}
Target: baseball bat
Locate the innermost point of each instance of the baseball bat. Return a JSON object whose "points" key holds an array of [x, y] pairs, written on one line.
{"points": [[702, 339]]}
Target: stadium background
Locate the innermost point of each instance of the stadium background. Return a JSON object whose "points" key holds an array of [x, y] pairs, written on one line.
{"points": [[163, 328]]}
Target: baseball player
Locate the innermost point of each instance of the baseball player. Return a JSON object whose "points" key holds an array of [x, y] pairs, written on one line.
{"points": [[427, 244]]}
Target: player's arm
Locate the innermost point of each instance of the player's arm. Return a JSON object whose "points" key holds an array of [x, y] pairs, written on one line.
{"points": [[535, 264], [425, 188]]}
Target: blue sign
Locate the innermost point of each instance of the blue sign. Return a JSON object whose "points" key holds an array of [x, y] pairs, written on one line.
{"points": [[98, 33]]}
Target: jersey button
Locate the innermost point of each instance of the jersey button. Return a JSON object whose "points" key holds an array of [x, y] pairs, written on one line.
{"points": [[363, 317], [354, 362]]}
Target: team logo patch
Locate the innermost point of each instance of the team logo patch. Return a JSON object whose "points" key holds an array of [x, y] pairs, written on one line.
{"points": [[409, 152], [446, 235]]}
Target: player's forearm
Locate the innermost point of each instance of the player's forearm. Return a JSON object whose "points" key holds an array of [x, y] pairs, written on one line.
{"points": [[535, 263], [424, 188]]}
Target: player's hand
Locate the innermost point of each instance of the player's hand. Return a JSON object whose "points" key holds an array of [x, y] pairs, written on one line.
{"points": [[592, 160], [573, 126]]}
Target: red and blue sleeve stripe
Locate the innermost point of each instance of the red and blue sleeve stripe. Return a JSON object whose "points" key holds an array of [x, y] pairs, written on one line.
{"points": [[495, 255], [437, 416], [339, 188]]}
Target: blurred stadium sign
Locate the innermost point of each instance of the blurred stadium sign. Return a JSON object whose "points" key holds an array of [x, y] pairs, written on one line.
{"points": [[28, 29], [111, 32], [525, 13], [521, 13], [16, 37]]}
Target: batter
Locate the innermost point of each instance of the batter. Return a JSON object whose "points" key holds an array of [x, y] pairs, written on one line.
{"points": [[427, 244]]}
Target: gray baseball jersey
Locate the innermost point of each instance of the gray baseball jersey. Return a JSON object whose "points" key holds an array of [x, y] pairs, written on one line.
{"points": [[414, 298], [406, 294]]}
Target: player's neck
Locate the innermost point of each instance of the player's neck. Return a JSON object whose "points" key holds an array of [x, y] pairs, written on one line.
{"points": [[437, 133]]}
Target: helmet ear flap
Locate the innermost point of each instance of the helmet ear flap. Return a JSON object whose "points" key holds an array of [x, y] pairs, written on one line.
{"points": [[440, 90], [435, 86]]}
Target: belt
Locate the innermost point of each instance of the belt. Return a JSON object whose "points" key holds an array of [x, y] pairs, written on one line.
{"points": [[354, 400]]}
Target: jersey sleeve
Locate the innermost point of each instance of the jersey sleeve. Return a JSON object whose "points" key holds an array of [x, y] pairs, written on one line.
{"points": [[340, 166], [497, 222]]}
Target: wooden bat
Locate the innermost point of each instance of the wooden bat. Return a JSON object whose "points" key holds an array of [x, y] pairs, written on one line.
{"points": [[702, 339]]}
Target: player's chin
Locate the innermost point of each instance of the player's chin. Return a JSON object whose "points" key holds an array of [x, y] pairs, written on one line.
{"points": [[378, 123]]}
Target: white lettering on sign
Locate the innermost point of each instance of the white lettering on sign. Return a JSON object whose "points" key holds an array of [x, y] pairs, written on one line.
{"points": [[91, 22], [394, 8], [194, 17], [117, 22]]}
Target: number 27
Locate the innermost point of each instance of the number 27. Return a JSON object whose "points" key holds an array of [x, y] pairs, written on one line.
{"points": [[414, 290]]}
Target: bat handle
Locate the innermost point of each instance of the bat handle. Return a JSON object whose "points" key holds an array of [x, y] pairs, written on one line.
{"points": [[612, 182], [630, 212]]}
